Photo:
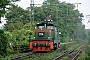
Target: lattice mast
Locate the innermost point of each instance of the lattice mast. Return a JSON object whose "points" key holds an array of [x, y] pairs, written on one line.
{"points": [[32, 12]]}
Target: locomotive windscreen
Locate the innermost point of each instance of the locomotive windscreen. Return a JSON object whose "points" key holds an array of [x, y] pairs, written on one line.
{"points": [[44, 25], [41, 34]]}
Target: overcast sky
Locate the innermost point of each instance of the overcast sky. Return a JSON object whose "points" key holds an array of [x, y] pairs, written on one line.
{"points": [[84, 7]]}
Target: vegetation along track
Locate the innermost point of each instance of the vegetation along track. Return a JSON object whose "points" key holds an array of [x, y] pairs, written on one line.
{"points": [[75, 50], [33, 56], [27, 54]]}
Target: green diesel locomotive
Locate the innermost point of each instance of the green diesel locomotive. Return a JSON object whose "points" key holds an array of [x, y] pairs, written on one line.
{"points": [[46, 37]]}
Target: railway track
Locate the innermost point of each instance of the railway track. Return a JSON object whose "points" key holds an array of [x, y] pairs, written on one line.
{"points": [[39, 54], [67, 52], [77, 54], [25, 54]]}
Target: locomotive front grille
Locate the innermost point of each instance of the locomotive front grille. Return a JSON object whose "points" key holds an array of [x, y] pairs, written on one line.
{"points": [[41, 44]]}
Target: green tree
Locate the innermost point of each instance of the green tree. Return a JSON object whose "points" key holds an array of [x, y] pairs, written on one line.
{"points": [[16, 17], [3, 6], [9, 48]]}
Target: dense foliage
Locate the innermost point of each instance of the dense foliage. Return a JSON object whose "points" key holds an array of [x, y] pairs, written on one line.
{"points": [[16, 17], [4, 6], [3, 43], [5, 47], [87, 57]]}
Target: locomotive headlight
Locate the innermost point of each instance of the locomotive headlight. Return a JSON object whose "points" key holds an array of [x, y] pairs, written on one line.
{"points": [[35, 27], [47, 44], [34, 37], [34, 44], [48, 37]]}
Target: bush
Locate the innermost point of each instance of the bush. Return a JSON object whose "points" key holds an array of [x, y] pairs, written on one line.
{"points": [[64, 47], [5, 48], [3, 43], [9, 50]]}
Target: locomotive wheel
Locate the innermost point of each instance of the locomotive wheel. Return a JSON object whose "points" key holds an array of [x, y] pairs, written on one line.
{"points": [[55, 46], [58, 45]]}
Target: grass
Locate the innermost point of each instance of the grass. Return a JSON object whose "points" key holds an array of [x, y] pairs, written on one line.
{"points": [[65, 58], [46, 56], [73, 46], [83, 55], [9, 57]]}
